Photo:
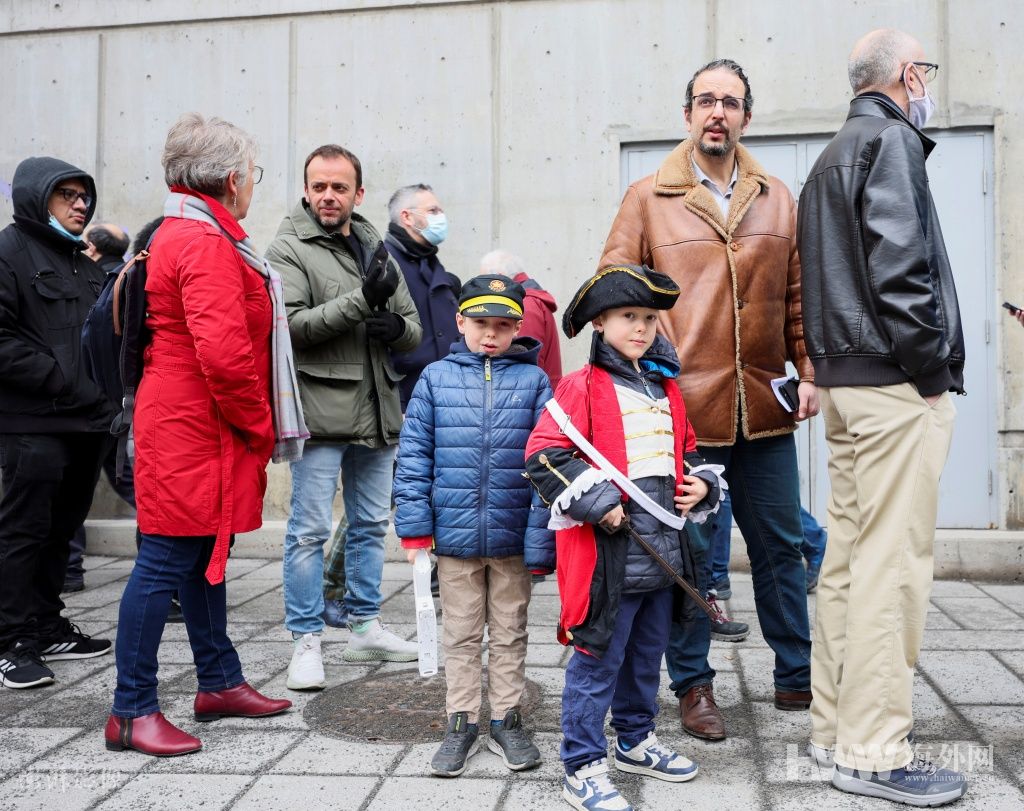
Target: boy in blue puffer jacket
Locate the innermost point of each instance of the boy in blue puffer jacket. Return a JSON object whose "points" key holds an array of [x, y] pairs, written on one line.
{"points": [[460, 488]]}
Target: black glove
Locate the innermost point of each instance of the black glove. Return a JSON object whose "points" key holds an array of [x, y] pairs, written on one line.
{"points": [[381, 280], [385, 327]]}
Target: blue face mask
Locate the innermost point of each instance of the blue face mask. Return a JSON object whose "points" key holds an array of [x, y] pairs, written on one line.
{"points": [[60, 229], [437, 228]]}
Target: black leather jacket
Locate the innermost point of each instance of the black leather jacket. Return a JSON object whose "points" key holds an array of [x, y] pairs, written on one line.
{"points": [[879, 303]]}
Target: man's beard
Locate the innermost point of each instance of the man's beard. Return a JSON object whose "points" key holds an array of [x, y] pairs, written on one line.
{"points": [[331, 228], [717, 150]]}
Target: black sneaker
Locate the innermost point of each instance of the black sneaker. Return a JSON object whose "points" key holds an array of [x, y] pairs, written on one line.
{"points": [[510, 741], [460, 742], [723, 628], [71, 643], [174, 612], [73, 584], [21, 666]]}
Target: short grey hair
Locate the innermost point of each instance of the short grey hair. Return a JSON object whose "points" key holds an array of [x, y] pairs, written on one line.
{"points": [[403, 199], [200, 153], [503, 262], [877, 62]]}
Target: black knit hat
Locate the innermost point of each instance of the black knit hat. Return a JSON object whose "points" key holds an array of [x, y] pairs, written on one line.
{"points": [[618, 286], [492, 295]]}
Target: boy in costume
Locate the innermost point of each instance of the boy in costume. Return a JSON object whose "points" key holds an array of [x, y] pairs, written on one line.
{"points": [[617, 602]]}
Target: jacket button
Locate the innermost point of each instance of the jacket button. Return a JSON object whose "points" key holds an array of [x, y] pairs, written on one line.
{"points": [[739, 304], [440, 334], [735, 246]]}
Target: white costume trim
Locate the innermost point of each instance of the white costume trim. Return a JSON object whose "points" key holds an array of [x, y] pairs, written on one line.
{"points": [[723, 485], [560, 519]]}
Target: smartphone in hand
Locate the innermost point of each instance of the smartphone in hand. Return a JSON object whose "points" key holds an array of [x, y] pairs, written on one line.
{"points": [[1013, 308]]}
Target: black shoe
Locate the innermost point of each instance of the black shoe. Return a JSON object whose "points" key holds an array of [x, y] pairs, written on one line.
{"points": [[722, 588], [71, 643], [725, 629], [21, 666], [510, 741], [460, 742], [73, 584], [174, 612]]}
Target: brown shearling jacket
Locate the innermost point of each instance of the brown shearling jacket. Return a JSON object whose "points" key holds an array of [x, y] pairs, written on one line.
{"points": [[738, 318]]}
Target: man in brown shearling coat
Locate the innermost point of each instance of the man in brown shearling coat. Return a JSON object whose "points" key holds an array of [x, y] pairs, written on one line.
{"points": [[725, 231]]}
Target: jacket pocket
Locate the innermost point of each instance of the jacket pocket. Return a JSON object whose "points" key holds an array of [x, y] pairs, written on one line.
{"points": [[59, 299], [332, 373]]}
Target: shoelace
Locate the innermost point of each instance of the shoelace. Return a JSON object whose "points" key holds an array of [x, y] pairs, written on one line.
{"points": [[704, 691], [721, 618], [517, 737], [453, 742], [922, 765], [603, 785], [29, 653], [68, 628]]}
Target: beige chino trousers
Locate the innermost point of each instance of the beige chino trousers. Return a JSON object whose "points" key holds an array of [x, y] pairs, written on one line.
{"points": [[475, 591], [887, 448]]}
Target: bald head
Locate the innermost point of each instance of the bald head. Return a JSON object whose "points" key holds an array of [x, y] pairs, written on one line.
{"points": [[106, 239], [877, 58]]}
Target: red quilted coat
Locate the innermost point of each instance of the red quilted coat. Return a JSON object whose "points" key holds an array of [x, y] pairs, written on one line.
{"points": [[203, 427]]}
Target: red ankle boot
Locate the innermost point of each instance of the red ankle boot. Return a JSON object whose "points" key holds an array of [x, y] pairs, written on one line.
{"points": [[151, 734], [242, 700]]}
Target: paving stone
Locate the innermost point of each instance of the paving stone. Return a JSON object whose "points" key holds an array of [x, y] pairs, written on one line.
{"points": [[1013, 660], [89, 754], [63, 790], [972, 677], [241, 591], [972, 640], [938, 621], [754, 640], [282, 793], [998, 725], [240, 566], [23, 745], [93, 597], [934, 719], [1010, 595], [786, 761], [318, 754], [199, 792], [659, 794], [980, 613], [229, 750], [102, 577], [265, 608], [821, 795], [955, 588], [270, 570], [432, 793], [97, 561], [757, 665], [546, 655], [535, 796]]}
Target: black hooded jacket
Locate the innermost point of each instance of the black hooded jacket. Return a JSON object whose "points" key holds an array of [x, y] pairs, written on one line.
{"points": [[46, 289]]}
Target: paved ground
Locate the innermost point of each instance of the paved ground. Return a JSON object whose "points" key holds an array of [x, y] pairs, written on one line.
{"points": [[969, 709]]}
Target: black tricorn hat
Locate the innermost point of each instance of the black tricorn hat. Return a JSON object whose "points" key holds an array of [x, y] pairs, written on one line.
{"points": [[618, 286]]}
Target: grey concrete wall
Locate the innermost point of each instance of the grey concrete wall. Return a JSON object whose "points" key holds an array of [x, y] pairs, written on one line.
{"points": [[514, 111]]}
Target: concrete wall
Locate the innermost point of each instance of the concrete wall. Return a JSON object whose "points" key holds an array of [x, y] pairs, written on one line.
{"points": [[514, 111]]}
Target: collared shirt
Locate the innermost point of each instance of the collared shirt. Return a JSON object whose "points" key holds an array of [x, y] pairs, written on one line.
{"points": [[720, 198]]}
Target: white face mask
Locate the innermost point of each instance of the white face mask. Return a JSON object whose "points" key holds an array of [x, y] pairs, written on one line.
{"points": [[921, 109]]}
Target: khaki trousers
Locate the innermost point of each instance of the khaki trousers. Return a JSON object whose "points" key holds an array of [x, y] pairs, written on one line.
{"points": [[475, 591], [887, 448]]}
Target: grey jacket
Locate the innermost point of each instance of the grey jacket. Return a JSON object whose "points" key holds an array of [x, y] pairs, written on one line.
{"points": [[349, 387]]}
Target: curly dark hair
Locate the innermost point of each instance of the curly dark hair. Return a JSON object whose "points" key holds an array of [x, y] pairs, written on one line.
{"points": [[728, 64]]}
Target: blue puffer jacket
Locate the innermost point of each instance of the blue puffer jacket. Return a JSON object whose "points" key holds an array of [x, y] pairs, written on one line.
{"points": [[461, 457]]}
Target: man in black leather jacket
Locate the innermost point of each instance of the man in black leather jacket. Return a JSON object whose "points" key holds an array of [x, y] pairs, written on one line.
{"points": [[54, 420], [882, 328]]}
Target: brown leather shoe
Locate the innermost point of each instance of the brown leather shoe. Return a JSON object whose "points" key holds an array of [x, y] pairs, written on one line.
{"points": [[792, 700], [151, 734], [242, 701], [700, 714]]}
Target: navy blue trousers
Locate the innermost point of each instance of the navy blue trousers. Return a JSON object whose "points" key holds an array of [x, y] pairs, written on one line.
{"points": [[625, 680]]}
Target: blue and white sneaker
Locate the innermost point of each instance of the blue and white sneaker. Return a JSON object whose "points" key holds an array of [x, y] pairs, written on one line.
{"points": [[920, 783], [589, 789], [652, 759]]}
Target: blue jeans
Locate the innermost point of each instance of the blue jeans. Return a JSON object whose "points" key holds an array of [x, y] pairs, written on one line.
{"points": [[721, 542], [815, 538], [624, 680], [764, 484], [164, 565], [366, 476]]}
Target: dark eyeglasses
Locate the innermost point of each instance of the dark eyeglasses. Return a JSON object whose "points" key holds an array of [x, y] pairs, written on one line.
{"points": [[257, 173], [71, 195], [929, 68], [707, 102]]}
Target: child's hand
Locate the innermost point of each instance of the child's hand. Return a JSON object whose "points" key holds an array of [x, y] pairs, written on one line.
{"points": [[689, 493], [613, 519], [410, 554]]}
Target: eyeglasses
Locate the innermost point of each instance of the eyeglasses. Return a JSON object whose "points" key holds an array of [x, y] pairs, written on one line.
{"points": [[929, 68], [707, 102], [70, 196], [257, 173]]}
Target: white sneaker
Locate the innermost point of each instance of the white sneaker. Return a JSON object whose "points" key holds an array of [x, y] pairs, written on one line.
{"points": [[377, 644], [651, 759], [306, 671], [823, 756], [589, 789]]}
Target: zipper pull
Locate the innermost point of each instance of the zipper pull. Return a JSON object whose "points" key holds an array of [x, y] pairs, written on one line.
{"points": [[487, 369]]}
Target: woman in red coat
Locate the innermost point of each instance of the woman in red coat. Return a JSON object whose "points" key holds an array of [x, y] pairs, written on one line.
{"points": [[204, 432]]}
